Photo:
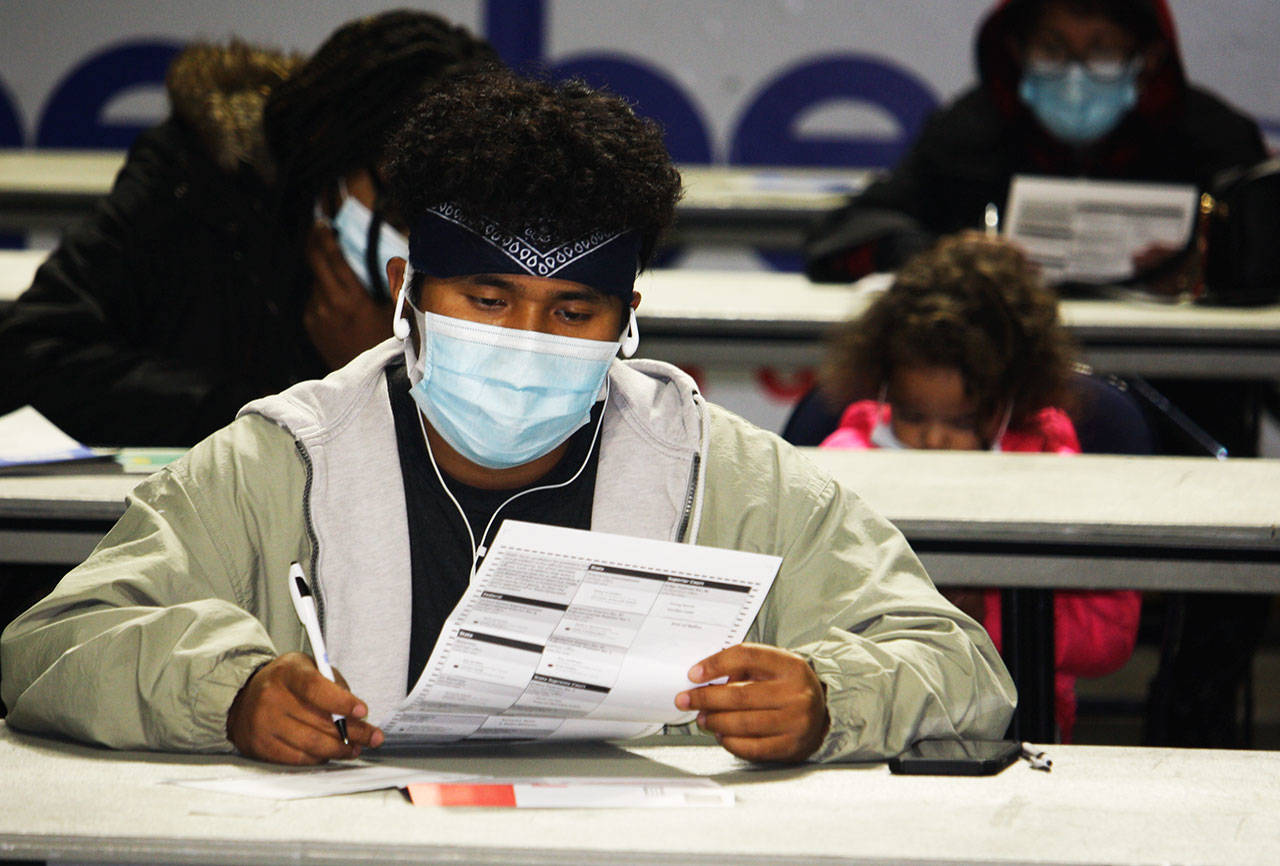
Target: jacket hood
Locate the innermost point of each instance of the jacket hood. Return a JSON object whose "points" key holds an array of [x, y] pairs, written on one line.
{"points": [[1000, 72], [219, 91]]}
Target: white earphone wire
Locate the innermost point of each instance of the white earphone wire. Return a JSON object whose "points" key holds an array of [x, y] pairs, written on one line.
{"points": [[478, 551]]}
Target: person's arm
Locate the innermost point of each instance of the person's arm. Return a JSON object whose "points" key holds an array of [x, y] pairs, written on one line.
{"points": [[896, 660], [148, 642], [86, 344]]}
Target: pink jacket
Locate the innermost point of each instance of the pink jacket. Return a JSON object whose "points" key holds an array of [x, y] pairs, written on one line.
{"points": [[1094, 631]]}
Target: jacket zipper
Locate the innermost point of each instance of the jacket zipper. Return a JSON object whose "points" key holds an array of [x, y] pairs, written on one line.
{"points": [[689, 494], [312, 576]]}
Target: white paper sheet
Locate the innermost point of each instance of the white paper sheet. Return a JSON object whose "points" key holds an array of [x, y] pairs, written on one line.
{"points": [[585, 635], [339, 777], [1089, 231], [27, 437]]}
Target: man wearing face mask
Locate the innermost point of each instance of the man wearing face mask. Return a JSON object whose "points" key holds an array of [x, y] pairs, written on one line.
{"points": [[531, 209], [205, 279]]}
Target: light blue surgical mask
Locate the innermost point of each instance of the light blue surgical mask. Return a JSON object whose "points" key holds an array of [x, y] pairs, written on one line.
{"points": [[502, 397], [351, 223], [1078, 106], [882, 435]]}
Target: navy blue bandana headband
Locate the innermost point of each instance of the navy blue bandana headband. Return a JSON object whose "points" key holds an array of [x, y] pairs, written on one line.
{"points": [[448, 243]]}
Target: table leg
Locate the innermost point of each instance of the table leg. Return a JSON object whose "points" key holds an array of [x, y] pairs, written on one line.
{"points": [[1028, 649]]}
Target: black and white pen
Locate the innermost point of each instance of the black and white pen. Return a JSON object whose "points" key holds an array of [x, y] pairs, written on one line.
{"points": [[304, 604], [1036, 758]]}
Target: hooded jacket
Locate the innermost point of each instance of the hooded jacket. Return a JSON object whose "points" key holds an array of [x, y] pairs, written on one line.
{"points": [[178, 299], [969, 150], [146, 644]]}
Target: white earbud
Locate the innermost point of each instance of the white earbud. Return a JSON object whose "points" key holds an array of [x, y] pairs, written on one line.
{"points": [[632, 338], [399, 324]]}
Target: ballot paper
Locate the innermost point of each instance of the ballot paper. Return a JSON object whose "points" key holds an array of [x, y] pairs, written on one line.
{"points": [[27, 438], [573, 793], [566, 633], [1089, 231], [327, 780]]}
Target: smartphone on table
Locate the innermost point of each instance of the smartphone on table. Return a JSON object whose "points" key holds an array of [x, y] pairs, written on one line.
{"points": [[956, 758]]}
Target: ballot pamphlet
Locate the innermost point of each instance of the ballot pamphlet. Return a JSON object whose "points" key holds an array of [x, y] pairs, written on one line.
{"points": [[1089, 231], [565, 633]]}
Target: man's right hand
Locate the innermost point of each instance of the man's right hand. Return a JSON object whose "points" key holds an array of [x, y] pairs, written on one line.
{"points": [[284, 714]]}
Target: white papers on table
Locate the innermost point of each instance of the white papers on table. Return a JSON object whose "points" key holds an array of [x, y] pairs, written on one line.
{"points": [[565, 633], [428, 788], [1089, 231], [347, 777], [573, 793], [27, 437]]}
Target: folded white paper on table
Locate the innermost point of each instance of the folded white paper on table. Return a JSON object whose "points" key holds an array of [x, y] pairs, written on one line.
{"points": [[1089, 231], [566, 633], [344, 777]]}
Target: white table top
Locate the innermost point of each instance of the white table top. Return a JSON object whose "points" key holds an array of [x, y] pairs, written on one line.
{"points": [[975, 496], [17, 269], [783, 304], [1099, 805], [45, 188], [58, 172], [768, 303]]}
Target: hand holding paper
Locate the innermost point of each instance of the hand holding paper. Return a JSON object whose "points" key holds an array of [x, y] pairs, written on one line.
{"points": [[773, 707]]}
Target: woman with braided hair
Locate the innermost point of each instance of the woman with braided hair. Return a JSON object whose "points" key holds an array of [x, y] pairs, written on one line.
{"points": [[235, 254]]}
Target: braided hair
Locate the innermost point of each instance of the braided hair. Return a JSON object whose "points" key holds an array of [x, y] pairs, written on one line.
{"points": [[336, 113]]}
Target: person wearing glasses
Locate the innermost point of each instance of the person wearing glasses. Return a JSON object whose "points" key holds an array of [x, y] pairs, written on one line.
{"points": [[1092, 89], [1067, 88], [966, 352]]}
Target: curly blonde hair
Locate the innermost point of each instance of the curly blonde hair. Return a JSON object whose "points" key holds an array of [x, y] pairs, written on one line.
{"points": [[971, 303]]}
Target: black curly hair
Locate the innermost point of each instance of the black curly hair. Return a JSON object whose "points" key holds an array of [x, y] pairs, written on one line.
{"points": [[562, 158], [336, 113], [971, 303]]}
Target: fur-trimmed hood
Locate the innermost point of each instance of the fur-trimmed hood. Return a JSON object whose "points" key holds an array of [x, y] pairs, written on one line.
{"points": [[219, 92]]}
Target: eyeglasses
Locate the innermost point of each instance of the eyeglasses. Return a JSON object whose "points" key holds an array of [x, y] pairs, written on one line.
{"points": [[1057, 63]]}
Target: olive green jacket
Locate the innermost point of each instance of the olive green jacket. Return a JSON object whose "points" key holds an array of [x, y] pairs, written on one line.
{"points": [[147, 642]]}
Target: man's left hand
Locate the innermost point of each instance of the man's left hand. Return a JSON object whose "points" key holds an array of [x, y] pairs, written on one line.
{"points": [[773, 707]]}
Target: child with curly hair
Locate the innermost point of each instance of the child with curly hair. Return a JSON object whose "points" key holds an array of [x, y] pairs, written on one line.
{"points": [[965, 352]]}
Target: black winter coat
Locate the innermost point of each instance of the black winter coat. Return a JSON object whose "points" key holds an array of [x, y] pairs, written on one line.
{"points": [[173, 304]]}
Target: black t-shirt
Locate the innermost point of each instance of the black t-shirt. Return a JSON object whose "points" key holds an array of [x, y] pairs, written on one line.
{"points": [[439, 549]]}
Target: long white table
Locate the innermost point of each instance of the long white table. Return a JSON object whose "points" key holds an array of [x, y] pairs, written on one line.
{"points": [[49, 189], [698, 317], [976, 518], [778, 319], [69, 802]]}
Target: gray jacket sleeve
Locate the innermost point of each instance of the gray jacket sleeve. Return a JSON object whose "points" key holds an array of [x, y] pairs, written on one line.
{"points": [[899, 661], [147, 642]]}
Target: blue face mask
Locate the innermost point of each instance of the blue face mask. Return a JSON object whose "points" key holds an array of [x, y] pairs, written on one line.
{"points": [[351, 224], [502, 397], [882, 435], [1076, 106]]}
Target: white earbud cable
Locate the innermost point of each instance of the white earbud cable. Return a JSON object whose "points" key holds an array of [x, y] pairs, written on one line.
{"points": [[478, 552]]}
